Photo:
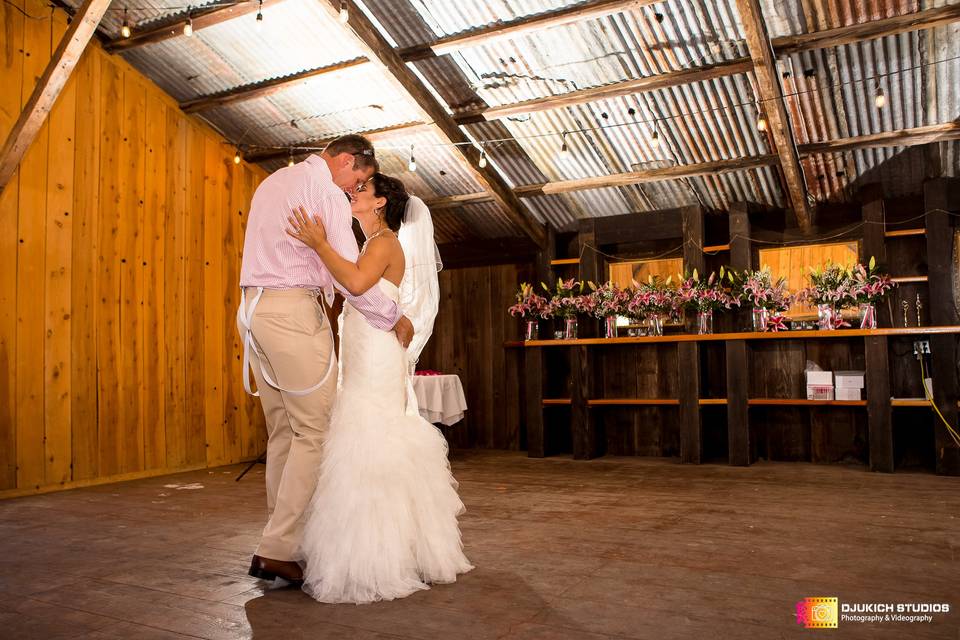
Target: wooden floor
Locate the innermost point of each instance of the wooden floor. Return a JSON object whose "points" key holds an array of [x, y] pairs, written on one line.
{"points": [[615, 547]]}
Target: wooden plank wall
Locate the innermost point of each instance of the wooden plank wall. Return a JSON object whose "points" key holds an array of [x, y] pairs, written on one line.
{"points": [[468, 338], [120, 241]]}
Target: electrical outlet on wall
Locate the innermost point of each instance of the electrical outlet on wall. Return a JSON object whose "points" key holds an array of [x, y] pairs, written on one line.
{"points": [[921, 348]]}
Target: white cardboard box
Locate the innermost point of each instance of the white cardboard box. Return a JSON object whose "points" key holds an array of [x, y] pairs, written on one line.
{"points": [[820, 378], [848, 379], [846, 393], [819, 392]]}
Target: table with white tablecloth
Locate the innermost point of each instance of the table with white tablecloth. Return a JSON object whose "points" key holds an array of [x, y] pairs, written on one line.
{"points": [[440, 398]]}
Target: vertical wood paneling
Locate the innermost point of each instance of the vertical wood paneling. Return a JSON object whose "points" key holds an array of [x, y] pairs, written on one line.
{"points": [[31, 275], [111, 324], [85, 270], [214, 173], [11, 78], [59, 229], [154, 257]]}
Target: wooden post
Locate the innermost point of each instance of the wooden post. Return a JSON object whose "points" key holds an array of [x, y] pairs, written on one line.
{"points": [[879, 413], [942, 201], [533, 392], [691, 424], [738, 419], [583, 422], [693, 259]]}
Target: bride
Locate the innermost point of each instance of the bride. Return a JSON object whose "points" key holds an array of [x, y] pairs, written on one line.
{"points": [[383, 520]]}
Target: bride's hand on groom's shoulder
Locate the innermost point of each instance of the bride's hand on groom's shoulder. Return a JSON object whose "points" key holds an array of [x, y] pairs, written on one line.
{"points": [[307, 229]]}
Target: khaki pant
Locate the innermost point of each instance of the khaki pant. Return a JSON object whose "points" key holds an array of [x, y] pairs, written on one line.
{"points": [[294, 340]]}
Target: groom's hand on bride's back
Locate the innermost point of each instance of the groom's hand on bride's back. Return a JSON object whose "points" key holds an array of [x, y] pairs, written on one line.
{"points": [[404, 331]]}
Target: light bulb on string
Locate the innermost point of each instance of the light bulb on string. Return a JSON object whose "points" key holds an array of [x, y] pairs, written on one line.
{"points": [[564, 149], [260, 15], [237, 157], [880, 99], [188, 27], [290, 160], [344, 15], [412, 165], [483, 157], [125, 29], [655, 136], [761, 122]]}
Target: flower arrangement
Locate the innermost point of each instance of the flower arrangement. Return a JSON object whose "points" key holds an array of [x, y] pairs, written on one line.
{"points": [[830, 285], [607, 301], [759, 290], [565, 300], [529, 305], [704, 296], [868, 286], [655, 296]]}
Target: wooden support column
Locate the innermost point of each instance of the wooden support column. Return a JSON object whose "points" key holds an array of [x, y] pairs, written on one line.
{"points": [[591, 270], [693, 259], [583, 422], [738, 419], [879, 412], [49, 86], [691, 423], [942, 202], [544, 272], [874, 243], [533, 394], [741, 256]]}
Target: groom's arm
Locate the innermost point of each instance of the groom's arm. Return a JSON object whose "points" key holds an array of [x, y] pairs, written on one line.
{"points": [[380, 311]]}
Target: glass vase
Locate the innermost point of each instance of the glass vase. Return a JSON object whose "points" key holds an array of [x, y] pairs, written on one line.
{"points": [[610, 327], [570, 329], [868, 316], [826, 317], [532, 330], [704, 322], [655, 322], [760, 318]]}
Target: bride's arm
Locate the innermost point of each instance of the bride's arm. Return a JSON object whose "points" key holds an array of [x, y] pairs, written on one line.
{"points": [[356, 277]]}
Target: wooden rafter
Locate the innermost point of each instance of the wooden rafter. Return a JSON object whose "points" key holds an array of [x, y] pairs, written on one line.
{"points": [[444, 125], [202, 18], [49, 86], [770, 94], [900, 138], [265, 88]]}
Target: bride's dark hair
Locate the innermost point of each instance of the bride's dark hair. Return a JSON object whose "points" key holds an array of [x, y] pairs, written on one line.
{"points": [[396, 194]]}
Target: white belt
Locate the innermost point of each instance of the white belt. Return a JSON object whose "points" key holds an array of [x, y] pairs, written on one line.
{"points": [[245, 318]]}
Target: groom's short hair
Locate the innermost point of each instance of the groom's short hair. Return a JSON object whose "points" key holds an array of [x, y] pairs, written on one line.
{"points": [[359, 147]]}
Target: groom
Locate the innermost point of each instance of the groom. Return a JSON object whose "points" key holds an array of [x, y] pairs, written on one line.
{"points": [[287, 337]]}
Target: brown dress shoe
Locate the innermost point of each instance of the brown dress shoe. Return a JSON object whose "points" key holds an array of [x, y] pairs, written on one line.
{"points": [[268, 569]]}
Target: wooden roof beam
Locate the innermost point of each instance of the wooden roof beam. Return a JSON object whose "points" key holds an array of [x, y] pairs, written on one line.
{"points": [[299, 148], [770, 94], [900, 138], [48, 87], [446, 128]]}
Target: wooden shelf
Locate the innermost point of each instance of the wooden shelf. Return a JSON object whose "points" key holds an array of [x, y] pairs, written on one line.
{"points": [[607, 402], [747, 335], [712, 401], [899, 233], [562, 261], [554, 402], [715, 248], [800, 402], [906, 279], [909, 402]]}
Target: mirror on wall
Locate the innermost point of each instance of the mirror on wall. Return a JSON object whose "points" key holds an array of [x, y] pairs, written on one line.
{"points": [[793, 263]]}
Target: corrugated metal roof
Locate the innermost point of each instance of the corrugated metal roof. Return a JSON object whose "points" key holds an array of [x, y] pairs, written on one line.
{"points": [[830, 94]]}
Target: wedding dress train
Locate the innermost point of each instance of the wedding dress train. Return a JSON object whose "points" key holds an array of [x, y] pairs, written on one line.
{"points": [[383, 520]]}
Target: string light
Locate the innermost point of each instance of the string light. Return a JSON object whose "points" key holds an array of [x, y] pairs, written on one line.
{"points": [[564, 149], [125, 29], [290, 160], [880, 100], [188, 27], [412, 166], [761, 122], [237, 157], [655, 136], [483, 157], [344, 14], [260, 15]]}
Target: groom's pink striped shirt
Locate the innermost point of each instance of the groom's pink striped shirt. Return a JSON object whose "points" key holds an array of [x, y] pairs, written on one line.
{"points": [[274, 260]]}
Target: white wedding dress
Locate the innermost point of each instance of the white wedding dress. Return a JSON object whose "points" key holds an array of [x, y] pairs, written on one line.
{"points": [[383, 521]]}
